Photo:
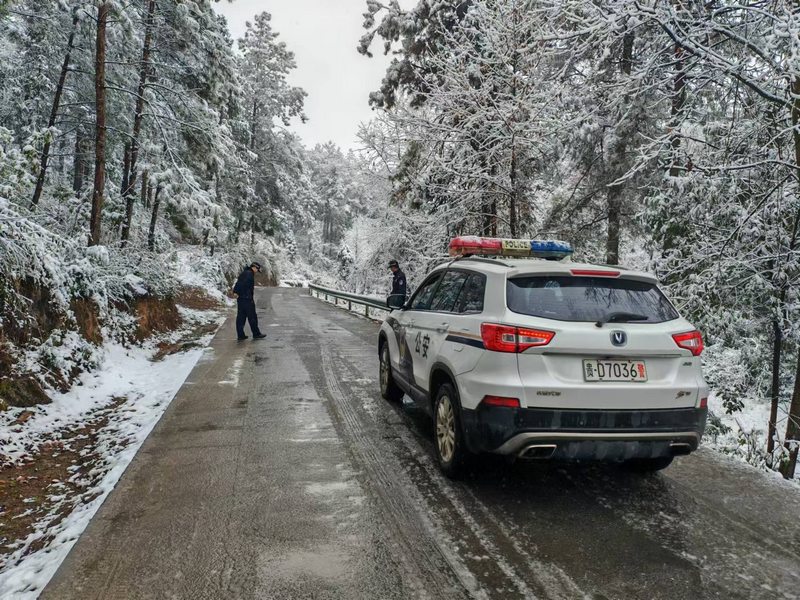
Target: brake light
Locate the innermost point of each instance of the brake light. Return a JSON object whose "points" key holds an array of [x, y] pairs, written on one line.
{"points": [[594, 273], [500, 401], [499, 338], [528, 338], [504, 338], [703, 402], [691, 341]]}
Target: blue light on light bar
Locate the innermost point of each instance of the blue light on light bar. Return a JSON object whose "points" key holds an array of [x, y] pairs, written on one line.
{"points": [[554, 249]]}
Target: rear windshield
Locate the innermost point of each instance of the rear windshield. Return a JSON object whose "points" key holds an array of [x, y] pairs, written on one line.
{"points": [[568, 298]]}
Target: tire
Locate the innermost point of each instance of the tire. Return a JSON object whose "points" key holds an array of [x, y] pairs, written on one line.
{"points": [[448, 441], [649, 465], [389, 388]]}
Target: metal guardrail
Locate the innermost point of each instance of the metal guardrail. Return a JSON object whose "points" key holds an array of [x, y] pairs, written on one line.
{"points": [[367, 302]]}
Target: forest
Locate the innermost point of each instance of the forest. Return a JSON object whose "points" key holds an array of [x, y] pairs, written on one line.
{"points": [[139, 137], [136, 138]]}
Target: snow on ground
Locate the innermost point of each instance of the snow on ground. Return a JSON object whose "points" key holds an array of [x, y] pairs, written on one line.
{"points": [[125, 373], [745, 436]]}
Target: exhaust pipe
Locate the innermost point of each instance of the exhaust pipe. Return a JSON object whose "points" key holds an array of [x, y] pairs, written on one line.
{"points": [[680, 448], [537, 452]]}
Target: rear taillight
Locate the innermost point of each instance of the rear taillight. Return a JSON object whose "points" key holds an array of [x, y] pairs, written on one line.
{"points": [[691, 341], [703, 402], [500, 401], [504, 338], [528, 338]]}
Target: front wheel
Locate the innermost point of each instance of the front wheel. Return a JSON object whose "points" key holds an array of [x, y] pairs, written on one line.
{"points": [[389, 388], [451, 452]]}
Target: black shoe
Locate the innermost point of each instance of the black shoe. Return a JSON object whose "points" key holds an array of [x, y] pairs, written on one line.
{"points": [[260, 336], [244, 337]]}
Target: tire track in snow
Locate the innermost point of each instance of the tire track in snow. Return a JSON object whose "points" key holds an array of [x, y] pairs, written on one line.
{"points": [[435, 571], [525, 574]]}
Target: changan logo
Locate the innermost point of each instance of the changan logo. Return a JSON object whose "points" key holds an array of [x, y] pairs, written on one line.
{"points": [[619, 338]]}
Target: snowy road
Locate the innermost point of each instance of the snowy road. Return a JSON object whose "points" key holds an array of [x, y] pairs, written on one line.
{"points": [[278, 472]]}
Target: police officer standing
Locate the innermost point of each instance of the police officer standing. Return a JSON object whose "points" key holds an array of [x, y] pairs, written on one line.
{"points": [[398, 294], [244, 289]]}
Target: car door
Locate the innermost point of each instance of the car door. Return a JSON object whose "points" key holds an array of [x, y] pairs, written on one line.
{"points": [[464, 343], [431, 325], [405, 328]]}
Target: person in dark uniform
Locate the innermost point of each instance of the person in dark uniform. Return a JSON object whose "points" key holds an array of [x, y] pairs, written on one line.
{"points": [[398, 294], [245, 299]]}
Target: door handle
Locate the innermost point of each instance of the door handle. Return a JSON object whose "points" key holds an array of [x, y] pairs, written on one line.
{"points": [[443, 328]]}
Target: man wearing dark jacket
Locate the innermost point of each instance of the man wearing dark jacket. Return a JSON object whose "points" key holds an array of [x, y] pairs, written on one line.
{"points": [[398, 295], [245, 299]]}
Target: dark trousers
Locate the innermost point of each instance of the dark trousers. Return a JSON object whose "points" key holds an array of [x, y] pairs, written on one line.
{"points": [[246, 312]]}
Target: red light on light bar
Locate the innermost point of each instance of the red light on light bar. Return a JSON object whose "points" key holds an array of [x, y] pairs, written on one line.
{"points": [[472, 244], [500, 401], [594, 273]]}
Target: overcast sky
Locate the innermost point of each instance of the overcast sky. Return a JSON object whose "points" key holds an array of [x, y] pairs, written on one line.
{"points": [[323, 35]]}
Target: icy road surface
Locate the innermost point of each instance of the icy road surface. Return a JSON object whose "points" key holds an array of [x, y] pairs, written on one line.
{"points": [[279, 472]]}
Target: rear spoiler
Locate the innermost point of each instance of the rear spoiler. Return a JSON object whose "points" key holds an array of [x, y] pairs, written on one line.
{"points": [[592, 271]]}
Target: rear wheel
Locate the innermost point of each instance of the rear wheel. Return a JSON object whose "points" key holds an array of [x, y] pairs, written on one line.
{"points": [[649, 465], [389, 388], [451, 452]]}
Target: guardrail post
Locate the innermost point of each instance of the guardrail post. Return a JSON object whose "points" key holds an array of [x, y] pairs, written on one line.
{"points": [[366, 311], [349, 305]]}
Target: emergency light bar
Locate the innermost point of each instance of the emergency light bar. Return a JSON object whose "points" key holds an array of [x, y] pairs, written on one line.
{"points": [[471, 244]]}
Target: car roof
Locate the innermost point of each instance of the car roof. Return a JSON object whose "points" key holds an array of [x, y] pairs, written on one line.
{"points": [[513, 267]]}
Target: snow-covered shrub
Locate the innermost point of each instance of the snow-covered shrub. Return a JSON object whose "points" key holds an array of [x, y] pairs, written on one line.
{"points": [[45, 276]]}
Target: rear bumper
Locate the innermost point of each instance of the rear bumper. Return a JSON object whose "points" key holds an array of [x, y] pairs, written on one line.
{"points": [[611, 435]]}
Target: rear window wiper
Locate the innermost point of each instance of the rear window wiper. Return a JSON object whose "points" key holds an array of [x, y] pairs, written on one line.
{"points": [[620, 317]]}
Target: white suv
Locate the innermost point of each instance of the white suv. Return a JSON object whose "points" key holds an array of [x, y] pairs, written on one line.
{"points": [[542, 359]]}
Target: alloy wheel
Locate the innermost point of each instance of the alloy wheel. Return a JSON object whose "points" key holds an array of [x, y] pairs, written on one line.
{"points": [[445, 429]]}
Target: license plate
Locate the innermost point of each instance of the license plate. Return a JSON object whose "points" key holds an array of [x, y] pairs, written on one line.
{"points": [[614, 370]]}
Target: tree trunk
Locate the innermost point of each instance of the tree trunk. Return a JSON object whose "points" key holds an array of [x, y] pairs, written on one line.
{"points": [[612, 236], [792, 439], [79, 161], [238, 229], [614, 195], [37, 193], [487, 219], [775, 391], [151, 234], [144, 74], [512, 200], [676, 111], [126, 167], [144, 192], [253, 126], [98, 194]]}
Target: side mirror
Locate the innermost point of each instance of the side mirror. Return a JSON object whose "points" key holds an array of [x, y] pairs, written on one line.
{"points": [[395, 301]]}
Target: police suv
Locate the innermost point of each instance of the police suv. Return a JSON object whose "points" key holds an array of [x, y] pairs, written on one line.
{"points": [[529, 355]]}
